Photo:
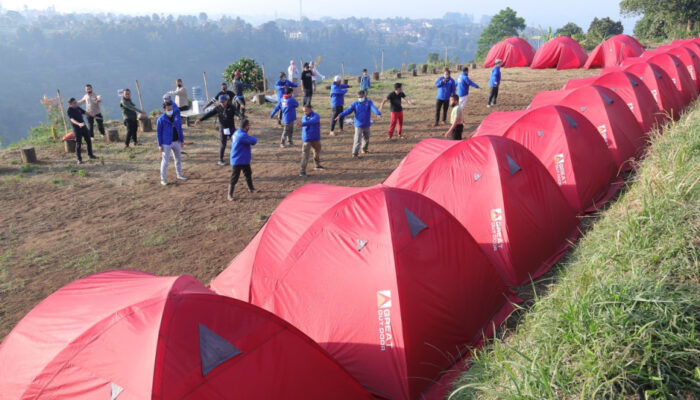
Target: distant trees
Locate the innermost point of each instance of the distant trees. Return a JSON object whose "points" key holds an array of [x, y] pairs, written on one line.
{"points": [[664, 19], [504, 24], [571, 30], [251, 73], [601, 29]]}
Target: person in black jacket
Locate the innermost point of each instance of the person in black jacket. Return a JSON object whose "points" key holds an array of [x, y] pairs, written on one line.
{"points": [[307, 84], [227, 126]]}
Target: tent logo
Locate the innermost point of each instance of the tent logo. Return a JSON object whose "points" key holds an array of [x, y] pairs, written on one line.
{"points": [[386, 335], [496, 230], [603, 130], [674, 80], [691, 70], [655, 93], [496, 214], [631, 106], [559, 168]]}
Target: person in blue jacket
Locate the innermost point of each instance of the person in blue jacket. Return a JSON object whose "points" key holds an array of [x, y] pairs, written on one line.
{"points": [[281, 87], [338, 90], [363, 109], [495, 83], [240, 158], [170, 139], [288, 109], [463, 83], [365, 83], [446, 88], [311, 137]]}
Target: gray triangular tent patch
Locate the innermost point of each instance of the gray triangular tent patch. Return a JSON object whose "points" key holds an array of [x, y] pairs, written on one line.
{"points": [[116, 391], [214, 350], [676, 62], [361, 244], [584, 108], [512, 165], [477, 177], [414, 223], [572, 123], [608, 99], [634, 83], [540, 133], [614, 89], [658, 75]]}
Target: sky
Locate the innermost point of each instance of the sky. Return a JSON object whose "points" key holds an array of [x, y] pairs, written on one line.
{"points": [[554, 13]]}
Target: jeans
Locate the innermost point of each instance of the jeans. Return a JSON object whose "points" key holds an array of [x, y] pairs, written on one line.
{"points": [[82, 133], [493, 96], [336, 111], [396, 123], [91, 124], [287, 131], [132, 126], [176, 149], [247, 172], [444, 104], [306, 149], [361, 137]]}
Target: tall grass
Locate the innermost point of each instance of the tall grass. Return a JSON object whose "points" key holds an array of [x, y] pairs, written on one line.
{"points": [[622, 320]]}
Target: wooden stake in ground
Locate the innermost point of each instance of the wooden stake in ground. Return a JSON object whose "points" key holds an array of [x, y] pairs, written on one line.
{"points": [[446, 59], [342, 70], [28, 155], [63, 113], [264, 79], [382, 62], [145, 121], [138, 90], [206, 87]]}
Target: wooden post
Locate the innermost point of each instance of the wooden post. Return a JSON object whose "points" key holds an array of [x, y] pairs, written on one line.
{"points": [[28, 155], [424, 68], [138, 90], [446, 59], [206, 87], [342, 70], [398, 75], [69, 146], [264, 79], [63, 113], [472, 66], [345, 81], [113, 135], [375, 76], [359, 79], [415, 72], [145, 121], [382, 62], [261, 99]]}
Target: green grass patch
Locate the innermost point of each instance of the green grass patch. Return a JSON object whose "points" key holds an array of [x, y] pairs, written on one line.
{"points": [[82, 173], [622, 319], [86, 263]]}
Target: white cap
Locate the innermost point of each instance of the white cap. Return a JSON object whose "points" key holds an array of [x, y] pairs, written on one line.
{"points": [[167, 96], [498, 61], [337, 78]]}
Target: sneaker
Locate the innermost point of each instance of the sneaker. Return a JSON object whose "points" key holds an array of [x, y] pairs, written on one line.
{"points": [[79, 162], [402, 137], [220, 163], [389, 139], [291, 144], [488, 105], [355, 156], [282, 146], [435, 124], [364, 151], [93, 158], [182, 178], [253, 190], [164, 182], [303, 174], [230, 198], [331, 133], [319, 168]]}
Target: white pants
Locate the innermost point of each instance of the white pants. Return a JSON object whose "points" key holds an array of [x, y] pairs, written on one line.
{"points": [[176, 149], [463, 102]]}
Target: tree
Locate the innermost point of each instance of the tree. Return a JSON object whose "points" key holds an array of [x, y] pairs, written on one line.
{"points": [[504, 24], [251, 73], [663, 19], [433, 58], [604, 28], [570, 30]]}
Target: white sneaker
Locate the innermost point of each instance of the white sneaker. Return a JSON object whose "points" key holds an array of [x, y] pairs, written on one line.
{"points": [[182, 178], [164, 182], [331, 133]]}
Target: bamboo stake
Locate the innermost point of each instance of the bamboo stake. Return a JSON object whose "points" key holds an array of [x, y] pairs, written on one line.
{"points": [[342, 70], [264, 79], [382, 62], [206, 87], [63, 114], [138, 90], [445, 56]]}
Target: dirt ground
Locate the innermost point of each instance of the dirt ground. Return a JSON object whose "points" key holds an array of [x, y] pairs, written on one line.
{"points": [[60, 221]]}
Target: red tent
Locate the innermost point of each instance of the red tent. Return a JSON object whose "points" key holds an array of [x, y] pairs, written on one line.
{"points": [[660, 85], [689, 58], [633, 91], [608, 113], [568, 145], [613, 51], [126, 335], [514, 51], [501, 193], [561, 52], [385, 279], [678, 72]]}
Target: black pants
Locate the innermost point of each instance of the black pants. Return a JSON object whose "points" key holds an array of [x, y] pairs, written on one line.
{"points": [[307, 96], [336, 111], [456, 133], [132, 126], [91, 124], [247, 172], [223, 142], [240, 104], [493, 96], [80, 134], [444, 104]]}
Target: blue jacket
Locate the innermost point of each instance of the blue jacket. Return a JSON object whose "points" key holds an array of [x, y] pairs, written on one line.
{"points": [[281, 87], [338, 94], [288, 107], [495, 79], [164, 129], [363, 112], [445, 89], [311, 127], [463, 83], [365, 83], [240, 147]]}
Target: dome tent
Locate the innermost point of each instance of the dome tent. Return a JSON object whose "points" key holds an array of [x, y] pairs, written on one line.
{"points": [[613, 51], [501, 193], [384, 279], [125, 335], [660, 85], [514, 51], [562, 52], [567, 144], [689, 58]]}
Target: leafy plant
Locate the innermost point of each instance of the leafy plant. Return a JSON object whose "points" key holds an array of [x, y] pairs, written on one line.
{"points": [[503, 25], [251, 73]]}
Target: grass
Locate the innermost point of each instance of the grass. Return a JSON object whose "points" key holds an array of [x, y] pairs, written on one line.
{"points": [[622, 320]]}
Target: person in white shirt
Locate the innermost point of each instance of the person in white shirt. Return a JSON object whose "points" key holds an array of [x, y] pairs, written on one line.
{"points": [[317, 75], [293, 74], [92, 110], [180, 96]]}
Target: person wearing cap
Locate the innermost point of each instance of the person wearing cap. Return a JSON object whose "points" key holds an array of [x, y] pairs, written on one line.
{"points": [[92, 110], [317, 75], [227, 125], [363, 109], [311, 137], [288, 108], [241, 157], [456, 119], [130, 114], [338, 90], [365, 82], [394, 99], [224, 90], [281, 87], [307, 83], [293, 73], [238, 88], [180, 94], [170, 140], [176, 110], [75, 114], [463, 84], [495, 83], [446, 88]]}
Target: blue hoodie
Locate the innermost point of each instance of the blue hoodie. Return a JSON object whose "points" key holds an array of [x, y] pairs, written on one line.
{"points": [[363, 112], [365, 82], [164, 129], [463, 83], [495, 79], [311, 127], [240, 148], [445, 89], [288, 105], [281, 87], [338, 94]]}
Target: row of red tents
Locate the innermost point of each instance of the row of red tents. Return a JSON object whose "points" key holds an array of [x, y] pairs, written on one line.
{"points": [[355, 293], [563, 52]]}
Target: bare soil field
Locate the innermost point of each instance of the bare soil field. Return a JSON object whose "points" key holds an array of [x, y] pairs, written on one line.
{"points": [[60, 221]]}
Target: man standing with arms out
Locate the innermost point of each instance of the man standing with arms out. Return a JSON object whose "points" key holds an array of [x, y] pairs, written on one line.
{"points": [[338, 90], [92, 110], [281, 87], [463, 83], [130, 114], [288, 108], [457, 120], [311, 136], [238, 89], [307, 83], [180, 94], [227, 125], [495, 83], [240, 158], [363, 109], [365, 83], [394, 99], [317, 75], [75, 114], [170, 139], [446, 88], [224, 90]]}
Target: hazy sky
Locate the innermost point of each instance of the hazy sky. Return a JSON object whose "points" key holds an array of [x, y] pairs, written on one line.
{"points": [[542, 12]]}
